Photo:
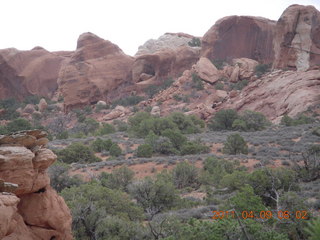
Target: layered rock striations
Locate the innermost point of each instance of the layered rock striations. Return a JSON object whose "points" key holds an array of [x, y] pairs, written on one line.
{"points": [[95, 71], [297, 38], [33, 72], [29, 208]]}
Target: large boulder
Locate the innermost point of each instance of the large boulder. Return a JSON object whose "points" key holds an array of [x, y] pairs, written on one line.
{"points": [[36, 211], [206, 70], [239, 37], [33, 72], [95, 71], [297, 38]]}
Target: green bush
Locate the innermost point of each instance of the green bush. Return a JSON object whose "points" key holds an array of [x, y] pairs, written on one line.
{"points": [[105, 129], [78, 153], [218, 63], [18, 124], [163, 145], [121, 126], [177, 139], [235, 144], [298, 120], [10, 106], [195, 42], [223, 119], [254, 121], [197, 82], [89, 125], [120, 178], [154, 89], [100, 145], [115, 150], [261, 69], [144, 150], [239, 85], [185, 175], [194, 147], [187, 124], [62, 135]]}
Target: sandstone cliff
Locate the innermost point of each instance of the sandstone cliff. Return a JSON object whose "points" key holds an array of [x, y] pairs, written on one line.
{"points": [[95, 71], [238, 37], [297, 38], [29, 208], [33, 72]]}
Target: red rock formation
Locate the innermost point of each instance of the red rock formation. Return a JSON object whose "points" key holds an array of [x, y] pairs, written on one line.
{"points": [[36, 212], [279, 93], [33, 72], [164, 63], [297, 38], [94, 72], [240, 37]]}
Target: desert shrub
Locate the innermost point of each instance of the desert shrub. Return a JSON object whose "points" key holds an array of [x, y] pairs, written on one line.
{"points": [[298, 120], [32, 99], [152, 139], [91, 203], [77, 152], [235, 180], [115, 150], [223, 119], [154, 89], [144, 150], [177, 139], [185, 175], [195, 42], [18, 124], [128, 101], [163, 145], [240, 125], [197, 82], [60, 178], [313, 229], [194, 147], [218, 63], [62, 135], [316, 131], [254, 121], [10, 106], [235, 144], [121, 126], [89, 125], [106, 128], [219, 86], [187, 124], [261, 69], [239, 85], [154, 195], [100, 145], [120, 178]]}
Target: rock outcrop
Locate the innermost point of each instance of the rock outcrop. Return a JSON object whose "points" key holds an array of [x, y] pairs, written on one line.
{"points": [[95, 71], [240, 37], [29, 208], [166, 41], [297, 38], [279, 93], [164, 63], [33, 72]]}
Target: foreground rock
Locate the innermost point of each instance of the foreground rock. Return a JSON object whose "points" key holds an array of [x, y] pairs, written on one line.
{"points": [[94, 72], [297, 38], [29, 208]]}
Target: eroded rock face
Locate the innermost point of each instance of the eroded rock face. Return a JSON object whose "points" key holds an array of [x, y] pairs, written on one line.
{"points": [[36, 211], [240, 37], [166, 41], [94, 72], [164, 63], [279, 93], [33, 72], [297, 38]]}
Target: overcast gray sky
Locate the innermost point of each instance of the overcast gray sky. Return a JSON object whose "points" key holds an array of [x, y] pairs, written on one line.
{"points": [[56, 24]]}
